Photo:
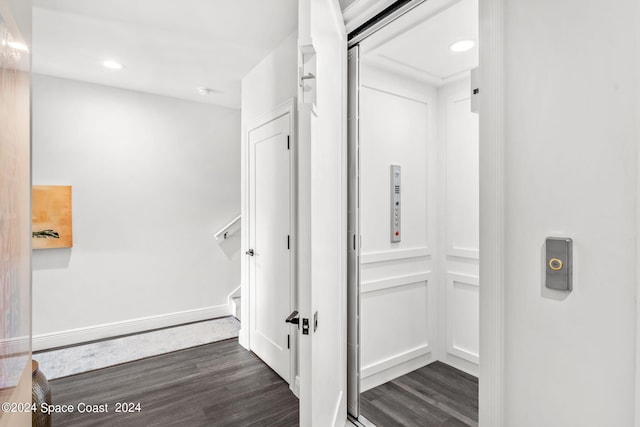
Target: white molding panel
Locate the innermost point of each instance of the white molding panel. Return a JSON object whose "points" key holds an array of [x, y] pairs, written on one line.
{"points": [[463, 316], [460, 140], [398, 327], [382, 256], [393, 282], [110, 330]]}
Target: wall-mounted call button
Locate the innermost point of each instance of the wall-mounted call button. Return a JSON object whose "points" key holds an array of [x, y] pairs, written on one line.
{"points": [[558, 263], [555, 264]]}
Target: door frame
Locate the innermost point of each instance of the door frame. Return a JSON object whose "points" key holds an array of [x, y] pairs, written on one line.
{"points": [[492, 206], [286, 107]]}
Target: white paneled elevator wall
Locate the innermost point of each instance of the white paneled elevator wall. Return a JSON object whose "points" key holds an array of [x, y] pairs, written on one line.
{"points": [[458, 225], [418, 297]]}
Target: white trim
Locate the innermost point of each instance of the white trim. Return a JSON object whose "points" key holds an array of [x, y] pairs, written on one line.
{"points": [[278, 111], [374, 257], [394, 282], [467, 280], [491, 107], [395, 366], [458, 252], [110, 330]]}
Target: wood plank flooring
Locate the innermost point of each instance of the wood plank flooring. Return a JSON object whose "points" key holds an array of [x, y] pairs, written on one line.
{"points": [[219, 384], [434, 395]]}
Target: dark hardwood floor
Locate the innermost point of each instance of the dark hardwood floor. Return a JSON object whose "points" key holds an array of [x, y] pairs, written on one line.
{"points": [[219, 384], [434, 395]]}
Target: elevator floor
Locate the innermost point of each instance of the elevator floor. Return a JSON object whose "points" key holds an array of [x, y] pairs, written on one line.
{"points": [[434, 395]]}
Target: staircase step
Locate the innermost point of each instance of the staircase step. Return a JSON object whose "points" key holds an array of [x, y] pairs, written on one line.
{"points": [[237, 308]]}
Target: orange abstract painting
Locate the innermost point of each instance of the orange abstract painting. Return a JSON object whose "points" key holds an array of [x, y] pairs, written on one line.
{"points": [[51, 217]]}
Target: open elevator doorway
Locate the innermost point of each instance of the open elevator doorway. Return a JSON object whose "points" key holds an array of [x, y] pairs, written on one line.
{"points": [[413, 293]]}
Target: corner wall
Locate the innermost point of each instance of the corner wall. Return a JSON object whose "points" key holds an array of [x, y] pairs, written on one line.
{"points": [[154, 178]]}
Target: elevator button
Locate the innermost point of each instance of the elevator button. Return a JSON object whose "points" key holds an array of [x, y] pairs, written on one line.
{"points": [[555, 264]]}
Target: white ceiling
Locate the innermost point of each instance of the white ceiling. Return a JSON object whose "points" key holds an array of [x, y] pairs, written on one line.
{"points": [[168, 47], [417, 44]]}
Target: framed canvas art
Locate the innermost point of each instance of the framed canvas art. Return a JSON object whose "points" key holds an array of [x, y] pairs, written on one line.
{"points": [[51, 217]]}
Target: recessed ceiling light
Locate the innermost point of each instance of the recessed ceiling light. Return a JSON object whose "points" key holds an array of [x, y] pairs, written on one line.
{"points": [[18, 46], [207, 91], [113, 65], [462, 46]]}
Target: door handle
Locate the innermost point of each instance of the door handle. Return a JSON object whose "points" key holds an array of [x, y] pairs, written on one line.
{"points": [[293, 318], [250, 252]]}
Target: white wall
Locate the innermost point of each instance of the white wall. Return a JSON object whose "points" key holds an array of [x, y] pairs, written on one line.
{"points": [[268, 85], [153, 179], [458, 222], [398, 293], [570, 170]]}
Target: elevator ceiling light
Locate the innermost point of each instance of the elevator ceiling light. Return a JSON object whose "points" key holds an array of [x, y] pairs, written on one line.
{"points": [[113, 65], [462, 46], [18, 46]]}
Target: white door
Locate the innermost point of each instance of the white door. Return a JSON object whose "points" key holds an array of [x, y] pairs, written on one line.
{"points": [[322, 219], [269, 242]]}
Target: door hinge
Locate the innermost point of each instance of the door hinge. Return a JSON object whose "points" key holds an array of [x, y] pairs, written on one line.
{"points": [[288, 142], [288, 341], [288, 241]]}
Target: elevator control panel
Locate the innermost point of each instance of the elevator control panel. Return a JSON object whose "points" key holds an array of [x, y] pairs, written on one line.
{"points": [[559, 263], [396, 204]]}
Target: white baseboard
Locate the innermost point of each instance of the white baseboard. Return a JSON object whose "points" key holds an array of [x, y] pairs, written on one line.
{"points": [[296, 386], [461, 364], [386, 370], [110, 330]]}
